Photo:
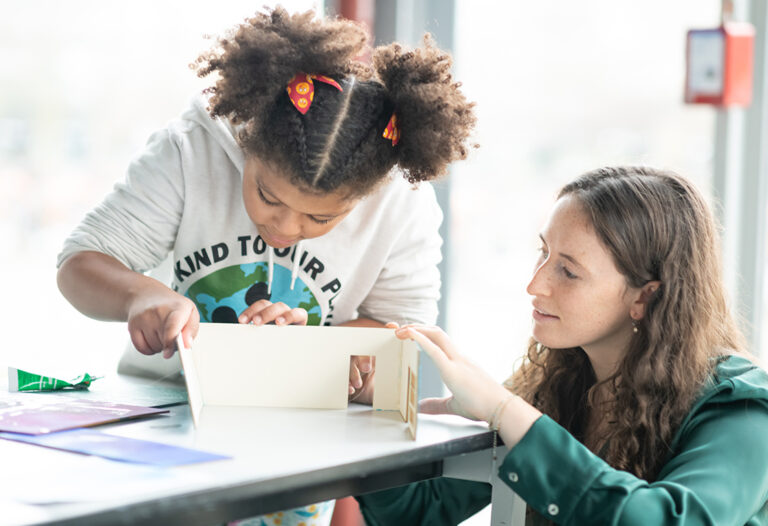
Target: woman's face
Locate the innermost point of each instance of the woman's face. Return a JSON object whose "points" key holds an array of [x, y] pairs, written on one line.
{"points": [[285, 214], [579, 297]]}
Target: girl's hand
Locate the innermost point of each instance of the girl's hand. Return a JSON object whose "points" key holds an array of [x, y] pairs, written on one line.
{"points": [[264, 311], [361, 372], [475, 393], [156, 317]]}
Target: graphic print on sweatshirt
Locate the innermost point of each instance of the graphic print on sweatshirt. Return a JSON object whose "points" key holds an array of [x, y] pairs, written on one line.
{"points": [[224, 294]]}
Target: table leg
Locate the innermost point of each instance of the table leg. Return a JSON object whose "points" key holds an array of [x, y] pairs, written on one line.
{"points": [[507, 509]]}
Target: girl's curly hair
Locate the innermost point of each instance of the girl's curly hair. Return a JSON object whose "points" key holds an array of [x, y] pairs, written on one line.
{"points": [[337, 146], [657, 226]]}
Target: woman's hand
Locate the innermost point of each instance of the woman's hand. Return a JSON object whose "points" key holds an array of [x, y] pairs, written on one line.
{"points": [[264, 311], [475, 394], [157, 316]]}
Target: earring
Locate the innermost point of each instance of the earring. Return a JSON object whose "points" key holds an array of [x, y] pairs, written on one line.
{"points": [[635, 330]]}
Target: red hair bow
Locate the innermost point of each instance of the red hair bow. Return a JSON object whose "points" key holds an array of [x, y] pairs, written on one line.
{"points": [[301, 89], [392, 131]]}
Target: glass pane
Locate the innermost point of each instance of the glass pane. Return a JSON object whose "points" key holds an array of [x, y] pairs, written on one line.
{"points": [[561, 88], [83, 85], [762, 352]]}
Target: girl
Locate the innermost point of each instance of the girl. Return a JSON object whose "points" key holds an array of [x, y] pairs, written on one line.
{"points": [[635, 404], [273, 193]]}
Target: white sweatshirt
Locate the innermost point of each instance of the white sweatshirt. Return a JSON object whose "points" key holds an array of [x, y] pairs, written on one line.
{"points": [[183, 195]]}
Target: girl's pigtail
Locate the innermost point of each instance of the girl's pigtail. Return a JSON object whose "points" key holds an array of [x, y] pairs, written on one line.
{"points": [[433, 116], [255, 60]]}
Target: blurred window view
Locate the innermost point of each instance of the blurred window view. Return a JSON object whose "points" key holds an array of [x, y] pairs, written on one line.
{"points": [[84, 84], [561, 88]]}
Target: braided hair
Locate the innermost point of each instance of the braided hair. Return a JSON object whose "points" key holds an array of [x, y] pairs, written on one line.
{"points": [[337, 146]]}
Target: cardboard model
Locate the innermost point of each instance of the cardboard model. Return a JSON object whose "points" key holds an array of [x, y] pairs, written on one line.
{"points": [[294, 366]]}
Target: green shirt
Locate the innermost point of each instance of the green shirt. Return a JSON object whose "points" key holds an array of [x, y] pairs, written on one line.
{"points": [[716, 474]]}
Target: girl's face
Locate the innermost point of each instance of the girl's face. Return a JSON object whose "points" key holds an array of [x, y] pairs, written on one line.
{"points": [[285, 214], [579, 297]]}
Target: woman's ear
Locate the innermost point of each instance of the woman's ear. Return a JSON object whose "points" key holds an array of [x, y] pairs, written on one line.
{"points": [[646, 292]]}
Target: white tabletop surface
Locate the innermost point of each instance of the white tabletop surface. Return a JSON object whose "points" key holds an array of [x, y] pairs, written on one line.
{"points": [[279, 457]]}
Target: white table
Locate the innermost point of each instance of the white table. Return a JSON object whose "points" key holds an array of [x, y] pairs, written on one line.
{"points": [[281, 458]]}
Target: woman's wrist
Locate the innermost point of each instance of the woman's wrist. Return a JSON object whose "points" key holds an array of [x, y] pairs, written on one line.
{"points": [[494, 421], [514, 420]]}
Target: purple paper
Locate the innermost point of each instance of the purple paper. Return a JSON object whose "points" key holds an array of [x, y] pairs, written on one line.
{"points": [[113, 447], [35, 414]]}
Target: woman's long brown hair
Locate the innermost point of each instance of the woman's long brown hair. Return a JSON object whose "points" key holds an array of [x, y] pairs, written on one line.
{"points": [[657, 226]]}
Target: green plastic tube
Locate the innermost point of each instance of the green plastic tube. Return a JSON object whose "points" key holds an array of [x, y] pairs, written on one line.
{"points": [[19, 380]]}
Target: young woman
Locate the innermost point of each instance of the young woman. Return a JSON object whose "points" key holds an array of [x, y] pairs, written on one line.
{"points": [[274, 196], [635, 403]]}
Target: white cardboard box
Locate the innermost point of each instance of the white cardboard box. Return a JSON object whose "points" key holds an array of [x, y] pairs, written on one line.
{"points": [[296, 366]]}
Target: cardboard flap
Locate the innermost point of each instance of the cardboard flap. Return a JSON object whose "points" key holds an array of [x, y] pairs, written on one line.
{"points": [[409, 388], [293, 366], [194, 393]]}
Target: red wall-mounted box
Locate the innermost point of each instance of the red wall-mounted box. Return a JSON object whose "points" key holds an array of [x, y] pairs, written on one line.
{"points": [[719, 65]]}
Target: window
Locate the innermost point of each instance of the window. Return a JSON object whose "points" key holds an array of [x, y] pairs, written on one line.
{"points": [[561, 88], [84, 84]]}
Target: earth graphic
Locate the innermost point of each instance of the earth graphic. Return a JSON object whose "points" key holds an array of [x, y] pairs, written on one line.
{"points": [[222, 296]]}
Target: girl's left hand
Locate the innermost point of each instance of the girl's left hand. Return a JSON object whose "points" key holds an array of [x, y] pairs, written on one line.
{"points": [[361, 373], [264, 311], [475, 393]]}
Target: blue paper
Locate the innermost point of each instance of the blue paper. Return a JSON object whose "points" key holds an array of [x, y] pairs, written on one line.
{"points": [[113, 447]]}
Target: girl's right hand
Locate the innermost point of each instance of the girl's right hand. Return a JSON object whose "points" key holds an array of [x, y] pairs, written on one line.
{"points": [[157, 317]]}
